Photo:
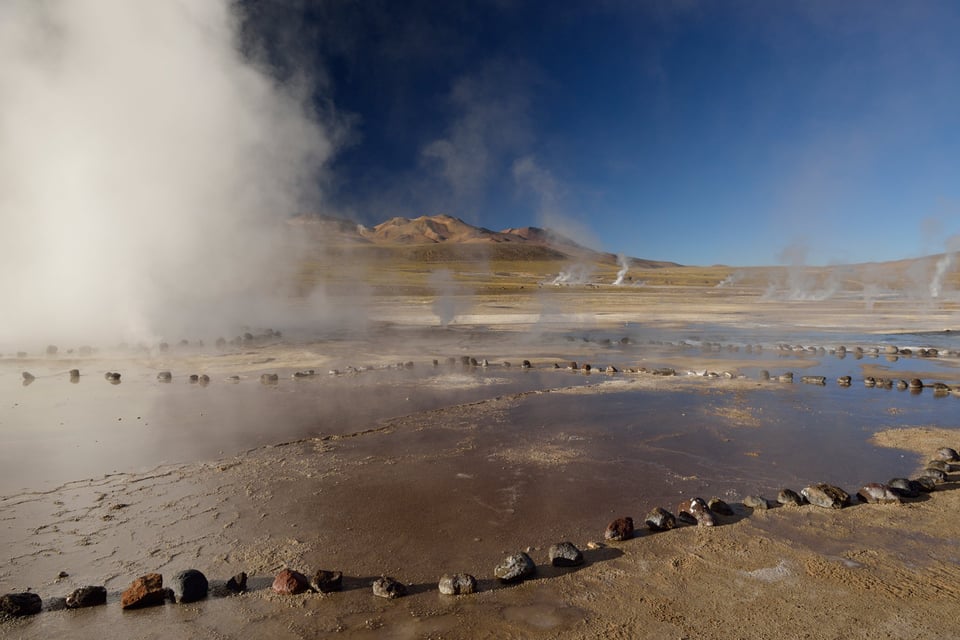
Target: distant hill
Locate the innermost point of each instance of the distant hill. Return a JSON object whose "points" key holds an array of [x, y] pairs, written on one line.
{"points": [[444, 237]]}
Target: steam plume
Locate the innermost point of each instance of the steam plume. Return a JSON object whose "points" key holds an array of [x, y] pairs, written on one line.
{"points": [[622, 272], [145, 168]]}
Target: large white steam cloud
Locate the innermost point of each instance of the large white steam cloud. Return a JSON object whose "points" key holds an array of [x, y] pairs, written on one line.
{"points": [[146, 166]]}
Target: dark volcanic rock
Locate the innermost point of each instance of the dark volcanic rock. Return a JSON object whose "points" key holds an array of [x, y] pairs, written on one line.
{"points": [[86, 597], [238, 583], [904, 488], [145, 591], [876, 493], [387, 587], [719, 506], [659, 519], [826, 496], [189, 586], [515, 567], [619, 529], [326, 581], [458, 584], [289, 582], [790, 497], [21, 604], [565, 554]]}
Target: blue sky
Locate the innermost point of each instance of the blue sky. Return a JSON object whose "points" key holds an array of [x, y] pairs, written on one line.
{"points": [[707, 132]]}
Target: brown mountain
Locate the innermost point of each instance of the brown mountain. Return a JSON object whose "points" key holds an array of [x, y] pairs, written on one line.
{"points": [[442, 237]]}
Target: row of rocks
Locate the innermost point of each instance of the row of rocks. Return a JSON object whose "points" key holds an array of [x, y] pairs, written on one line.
{"points": [[696, 511], [191, 585]]}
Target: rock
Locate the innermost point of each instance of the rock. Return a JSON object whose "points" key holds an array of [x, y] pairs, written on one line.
{"points": [[21, 604], [458, 584], [387, 587], [756, 502], [659, 519], [876, 493], [55, 604], [324, 581], [145, 591], [947, 454], [514, 568], [238, 583], [790, 497], [826, 496], [719, 506], [818, 380], [619, 529], [844, 381], [565, 554], [289, 582], [934, 474], [189, 586], [86, 597], [697, 508], [904, 488]]}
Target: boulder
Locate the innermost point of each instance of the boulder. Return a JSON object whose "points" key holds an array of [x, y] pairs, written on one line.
{"points": [[20, 604], [876, 493], [515, 567], [145, 591], [387, 587], [86, 597], [238, 583], [790, 497], [659, 519], [719, 506], [325, 581], [289, 582], [947, 454], [458, 584], [826, 496], [565, 554], [619, 529], [189, 586], [756, 502]]}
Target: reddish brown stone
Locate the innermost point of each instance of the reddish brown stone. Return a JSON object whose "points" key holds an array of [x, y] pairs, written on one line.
{"points": [[145, 591], [289, 582], [619, 529]]}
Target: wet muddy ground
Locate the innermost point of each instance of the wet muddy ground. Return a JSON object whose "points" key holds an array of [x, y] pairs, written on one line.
{"points": [[420, 471]]}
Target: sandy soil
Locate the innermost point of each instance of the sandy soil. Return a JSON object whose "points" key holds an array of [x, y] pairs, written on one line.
{"points": [[457, 487]]}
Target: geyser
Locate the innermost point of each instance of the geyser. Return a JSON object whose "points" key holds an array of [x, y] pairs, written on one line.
{"points": [[146, 166]]}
